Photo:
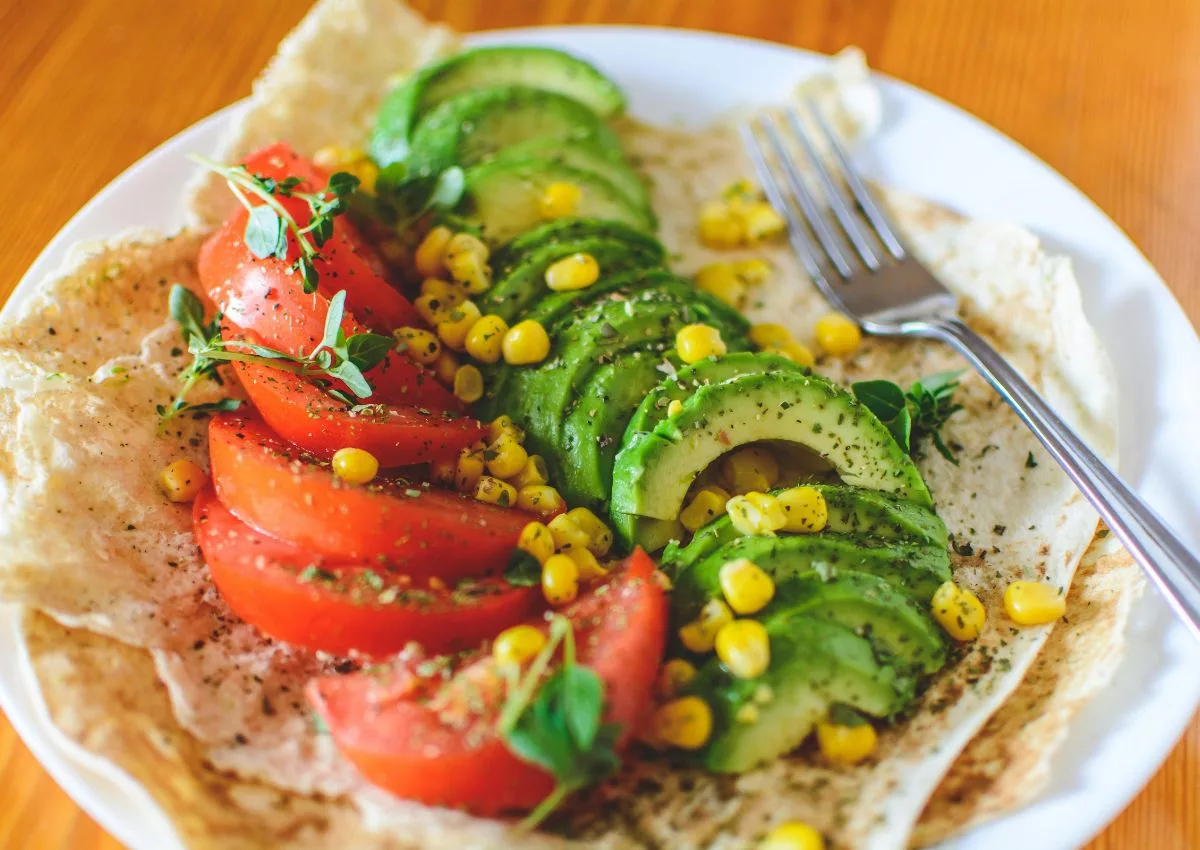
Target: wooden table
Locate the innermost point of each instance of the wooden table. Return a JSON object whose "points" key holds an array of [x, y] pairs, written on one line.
{"points": [[1106, 91]]}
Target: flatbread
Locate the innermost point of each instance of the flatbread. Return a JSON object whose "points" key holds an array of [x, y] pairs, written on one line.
{"points": [[78, 440]]}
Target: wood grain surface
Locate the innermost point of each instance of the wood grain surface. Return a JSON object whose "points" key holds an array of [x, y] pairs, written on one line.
{"points": [[1106, 91]]}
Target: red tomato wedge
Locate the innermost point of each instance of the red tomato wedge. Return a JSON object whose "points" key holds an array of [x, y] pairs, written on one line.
{"points": [[264, 297], [322, 605], [408, 527], [301, 413], [427, 739]]}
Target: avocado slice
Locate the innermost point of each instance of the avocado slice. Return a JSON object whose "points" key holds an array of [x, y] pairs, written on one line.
{"points": [[653, 472], [852, 510], [537, 67], [503, 196], [587, 155], [815, 663], [569, 228]]}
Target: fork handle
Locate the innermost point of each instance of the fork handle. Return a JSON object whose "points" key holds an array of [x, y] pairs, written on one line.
{"points": [[1174, 569]]}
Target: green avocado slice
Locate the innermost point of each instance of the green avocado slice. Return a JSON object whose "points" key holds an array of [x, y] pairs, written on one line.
{"points": [[587, 155], [569, 228]]}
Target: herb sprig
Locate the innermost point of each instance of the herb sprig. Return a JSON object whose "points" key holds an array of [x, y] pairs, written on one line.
{"points": [[269, 224], [335, 357], [556, 724], [920, 412]]}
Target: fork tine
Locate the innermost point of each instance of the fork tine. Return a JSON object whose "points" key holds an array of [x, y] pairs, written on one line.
{"points": [[804, 199], [834, 194], [801, 243], [878, 218]]}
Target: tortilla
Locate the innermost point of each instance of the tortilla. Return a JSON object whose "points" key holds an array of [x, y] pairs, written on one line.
{"points": [[78, 439]]}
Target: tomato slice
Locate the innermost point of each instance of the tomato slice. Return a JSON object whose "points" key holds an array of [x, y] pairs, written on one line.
{"points": [[323, 605], [301, 413], [392, 522], [421, 739]]}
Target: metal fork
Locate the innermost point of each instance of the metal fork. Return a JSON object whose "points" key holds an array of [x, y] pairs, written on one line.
{"points": [[861, 265]]}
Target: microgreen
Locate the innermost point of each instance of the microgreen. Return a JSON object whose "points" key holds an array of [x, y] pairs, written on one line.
{"points": [[920, 412], [402, 198], [269, 224], [523, 569]]}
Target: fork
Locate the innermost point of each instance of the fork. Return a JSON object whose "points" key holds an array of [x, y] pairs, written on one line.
{"points": [[862, 267]]}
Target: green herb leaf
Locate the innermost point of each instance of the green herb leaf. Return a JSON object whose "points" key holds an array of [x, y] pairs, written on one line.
{"points": [[448, 190], [265, 234], [919, 413], [367, 350], [883, 398], [523, 570], [583, 700], [841, 714], [187, 310], [331, 335]]}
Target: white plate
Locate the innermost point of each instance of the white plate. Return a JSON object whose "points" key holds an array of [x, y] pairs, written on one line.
{"points": [[930, 148]]}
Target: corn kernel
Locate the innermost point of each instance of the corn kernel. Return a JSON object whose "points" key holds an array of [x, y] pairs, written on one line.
{"points": [[454, 325], [433, 308], [446, 368], [700, 635], [744, 648], [587, 563], [756, 514], [806, 510], [518, 644], [577, 271], [959, 611], [468, 470], [526, 342], [797, 352], [696, 342], [674, 407], [762, 222], [846, 744], [431, 253], [753, 271], [537, 540], [466, 260], [674, 676], [419, 344], [532, 473], [767, 335], [568, 534], [468, 384], [352, 161], [838, 335], [560, 199], [746, 586], [708, 504], [747, 714], [539, 499], [720, 280], [446, 292], [795, 835], [750, 469], [560, 580], [486, 338], [1033, 603], [354, 466], [600, 537], [505, 457], [503, 424], [719, 227], [685, 723], [495, 492], [182, 480]]}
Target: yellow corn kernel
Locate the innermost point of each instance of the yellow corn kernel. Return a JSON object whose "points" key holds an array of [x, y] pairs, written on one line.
{"points": [[433, 308], [539, 499], [486, 338], [503, 424], [352, 161], [468, 384], [685, 723], [756, 514], [466, 260], [560, 580], [746, 586], [468, 470], [182, 480], [354, 466], [747, 714], [750, 469], [674, 676], [560, 199], [518, 644], [532, 473], [446, 292], [753, 271], [696, 342], [568, 534], [588, 565], [846, 744], [794, 835], [744, 648], [446, 368], [577, 271], [600, 537], [797, 352], [806, 510], [838, 335], [505, 456], [431, 253], [705, 506], [720, 227], [674, 407], [959, 611], [768, 335], [1033, 603], [537, 540], [454, 325], [526, 342], [495, 492], [761, 221], [700, 635], [721, 280], [419, 344]]}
